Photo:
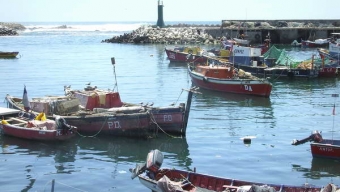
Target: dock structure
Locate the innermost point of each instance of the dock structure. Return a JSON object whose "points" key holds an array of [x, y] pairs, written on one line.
{"points": [[280, 31]]}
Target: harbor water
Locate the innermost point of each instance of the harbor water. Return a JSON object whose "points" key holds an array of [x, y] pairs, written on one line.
{"points": [[51, 57]]}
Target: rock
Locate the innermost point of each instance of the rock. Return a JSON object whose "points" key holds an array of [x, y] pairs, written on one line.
{"points": [[10, 29], [170, 35]]}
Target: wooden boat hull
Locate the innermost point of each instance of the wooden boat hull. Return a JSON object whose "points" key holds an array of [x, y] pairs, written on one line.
{"points": [[108, 124], [215, 183], [134, 124], [326, 149], [313, 44], [151, 175], [23, 125], [8, 54], [170, 120], [34, 134], [290, 73], [238, 86], [176, 56], [329, 72]]}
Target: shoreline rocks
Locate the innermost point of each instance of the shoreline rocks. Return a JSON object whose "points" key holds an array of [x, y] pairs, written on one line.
{"points": [[169, 35], [10, 29]]}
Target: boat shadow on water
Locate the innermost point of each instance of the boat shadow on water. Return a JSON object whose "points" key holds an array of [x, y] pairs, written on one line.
{"points": [[62, 151], [241, 100], [133, 150], [320, 168]]}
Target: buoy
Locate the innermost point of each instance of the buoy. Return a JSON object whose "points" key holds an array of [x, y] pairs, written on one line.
{"points": [[247, 139]]}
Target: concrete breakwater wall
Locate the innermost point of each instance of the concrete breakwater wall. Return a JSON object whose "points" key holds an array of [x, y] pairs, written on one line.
{"points": [[281, 32]]}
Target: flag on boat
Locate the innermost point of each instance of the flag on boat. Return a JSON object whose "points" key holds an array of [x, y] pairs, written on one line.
{"points": [[25, 100]]}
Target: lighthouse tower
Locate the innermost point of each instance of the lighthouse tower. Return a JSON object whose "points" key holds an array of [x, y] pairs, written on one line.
{"points": [[160, 22]]}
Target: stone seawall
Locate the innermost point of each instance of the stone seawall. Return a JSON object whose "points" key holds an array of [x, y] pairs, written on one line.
{"points": [[280, 31]]}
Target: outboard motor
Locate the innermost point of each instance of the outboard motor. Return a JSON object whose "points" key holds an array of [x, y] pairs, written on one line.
{"points": [[62, 125], [154, 161], [315, 137]]}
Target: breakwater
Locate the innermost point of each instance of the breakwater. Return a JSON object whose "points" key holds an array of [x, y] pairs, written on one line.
{"points": [[280, 31]]}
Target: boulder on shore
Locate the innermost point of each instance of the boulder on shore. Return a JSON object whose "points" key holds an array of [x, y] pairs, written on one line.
{"points": [[10, 29]]}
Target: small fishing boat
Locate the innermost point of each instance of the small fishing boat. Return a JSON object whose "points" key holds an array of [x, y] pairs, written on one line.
{"points": [[8, 54], [220, 75], [158, 179], [185, 54], [241, 41], [320, 147], [333, 51], [20, 124], [315, 43]]}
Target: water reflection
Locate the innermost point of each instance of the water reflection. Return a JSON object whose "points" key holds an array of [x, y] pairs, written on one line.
{"points": [[238, 99], [61, 151], [174, 64], [135, 150], [320, 168]]}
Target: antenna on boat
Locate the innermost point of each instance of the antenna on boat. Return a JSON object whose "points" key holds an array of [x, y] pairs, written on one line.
{"points": [[113, 62], [333, 113]]}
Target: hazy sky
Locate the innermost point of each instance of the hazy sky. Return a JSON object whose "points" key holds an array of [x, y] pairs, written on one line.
{"points": [[174, 10]]}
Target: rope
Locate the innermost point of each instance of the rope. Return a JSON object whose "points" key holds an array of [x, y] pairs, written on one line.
{"points": [[179, 96], [97, 132], [152, 118], [64, 185]]}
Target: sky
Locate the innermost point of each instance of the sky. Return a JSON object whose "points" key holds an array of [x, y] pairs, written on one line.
{"points": [[174, 10]]}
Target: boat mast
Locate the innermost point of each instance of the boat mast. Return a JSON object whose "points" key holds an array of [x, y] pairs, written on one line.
{"points": [[333, 113], [113, 62], [188, 106]]}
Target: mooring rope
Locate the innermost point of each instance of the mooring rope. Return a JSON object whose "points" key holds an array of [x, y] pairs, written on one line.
{"points": [[107, 117], [152, 117], [62, 184]]}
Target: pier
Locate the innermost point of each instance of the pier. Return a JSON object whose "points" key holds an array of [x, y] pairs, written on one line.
{"points": [[281, 31]]}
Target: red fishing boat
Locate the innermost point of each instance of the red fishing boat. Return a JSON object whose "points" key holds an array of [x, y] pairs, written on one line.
{"points": [[158, 179], [169, 119], [21, 124], [96, 111], [224, 77], [185, 54], [315, 43], [320, 147]]}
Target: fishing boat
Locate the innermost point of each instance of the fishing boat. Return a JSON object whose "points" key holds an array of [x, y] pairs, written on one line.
{"points": [[320, 147], [331, 57], [158, 179], [241, 41], [8, 54], [315, 43], [333, 51], [185, 54], [169, 119], [95, 111], [220, 75], [20, 124]]}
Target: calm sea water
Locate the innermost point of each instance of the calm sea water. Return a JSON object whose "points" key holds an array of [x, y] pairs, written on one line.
{"points": [[51, 58]]}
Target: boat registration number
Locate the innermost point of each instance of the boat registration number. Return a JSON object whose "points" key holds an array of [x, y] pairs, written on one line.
{"points": [[114, 125]]}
